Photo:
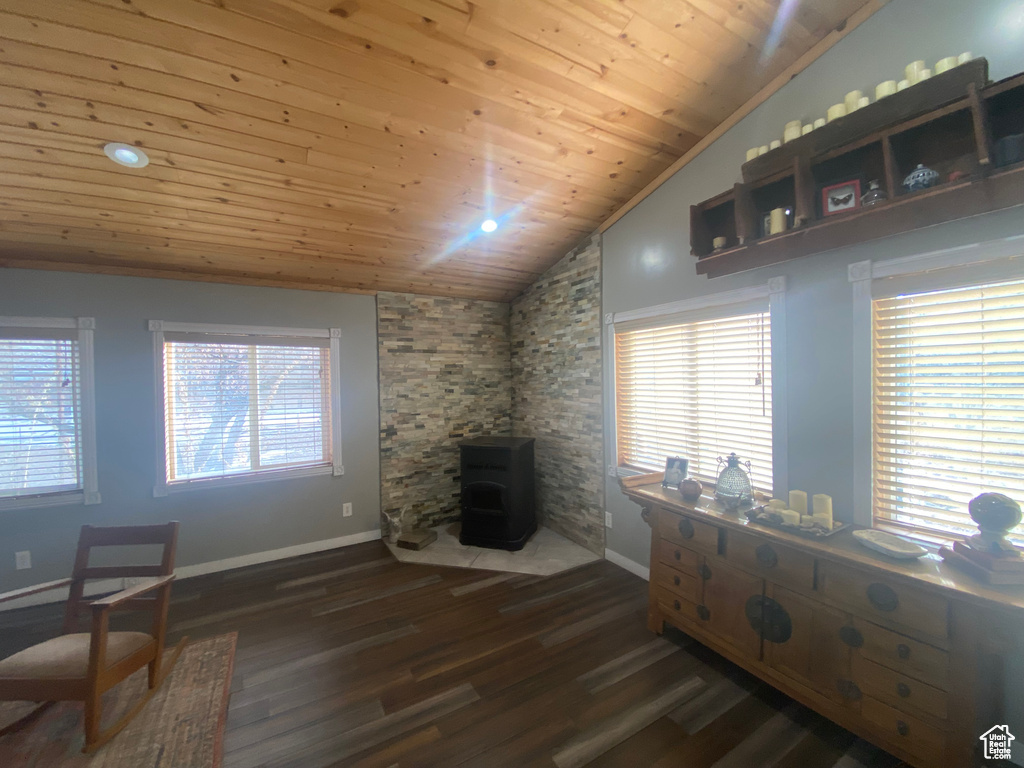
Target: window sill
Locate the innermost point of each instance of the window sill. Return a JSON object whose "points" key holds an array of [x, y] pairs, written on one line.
{"points": [[266, 476], [59, 499]]}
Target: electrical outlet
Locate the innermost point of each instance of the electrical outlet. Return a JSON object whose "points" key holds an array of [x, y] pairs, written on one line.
{"points": [[346, 509], [607, 519], [22, 560]]}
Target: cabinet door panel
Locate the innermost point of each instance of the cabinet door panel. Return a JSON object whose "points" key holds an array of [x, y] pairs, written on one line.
{"points": [[813, 653], [726, 593]]}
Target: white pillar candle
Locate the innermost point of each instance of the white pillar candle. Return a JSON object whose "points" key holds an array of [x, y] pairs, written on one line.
{"points": [[862, 102], [776, 144], [778, 221], [836, 111], [887, 88], [763, 149], [944, 65], [913, 71], [852, 100], [964, 57], [719, 242], [902, 85], [820, 122], [751, 153], [806, 129], [925, 74], [776, 504], [789, 516], [792, 131], [798, 501], [822, 506]]}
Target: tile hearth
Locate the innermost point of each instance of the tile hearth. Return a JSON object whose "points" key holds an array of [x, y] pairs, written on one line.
{"points": [[546, 553]]}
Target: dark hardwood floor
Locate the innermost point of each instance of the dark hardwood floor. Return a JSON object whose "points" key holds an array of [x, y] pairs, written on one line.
{"points": [[348, 658]]}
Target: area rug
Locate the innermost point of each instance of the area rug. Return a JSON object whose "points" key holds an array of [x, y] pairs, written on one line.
{"points": [[181, 727]]}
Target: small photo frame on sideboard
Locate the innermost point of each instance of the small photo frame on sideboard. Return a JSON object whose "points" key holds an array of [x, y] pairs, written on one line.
{"points": [[840, 198], [675, 471]]}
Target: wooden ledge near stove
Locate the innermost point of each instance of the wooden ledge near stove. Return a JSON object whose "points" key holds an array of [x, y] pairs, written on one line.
{"points": [[911, 656]]}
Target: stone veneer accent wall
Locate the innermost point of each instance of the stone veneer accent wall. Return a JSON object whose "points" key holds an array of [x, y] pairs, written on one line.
{"points": [[444, 376], [556, 392]]}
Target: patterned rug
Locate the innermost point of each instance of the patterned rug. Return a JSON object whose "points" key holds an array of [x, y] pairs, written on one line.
{"points": [[181, 727]]}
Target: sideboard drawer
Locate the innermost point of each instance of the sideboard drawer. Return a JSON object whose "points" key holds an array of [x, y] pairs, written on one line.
{"points": [[876, 598], [910, 657], [899, 728], [776, 562], [678, 557], [690, 533], [679, 611], [679, 583], [897, 690]]}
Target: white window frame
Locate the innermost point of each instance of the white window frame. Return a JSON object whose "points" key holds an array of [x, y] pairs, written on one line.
{"points": [[89, 493], [162, 487], [973, 264], [775, 291]]}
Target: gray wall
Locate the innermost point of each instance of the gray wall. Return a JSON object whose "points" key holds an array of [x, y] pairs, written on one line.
{"points": [[646, 255], [216, 523]]}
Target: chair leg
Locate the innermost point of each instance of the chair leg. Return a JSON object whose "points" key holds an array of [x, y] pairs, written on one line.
{"points": [[154, 671], [92, 744], [93, 713]]}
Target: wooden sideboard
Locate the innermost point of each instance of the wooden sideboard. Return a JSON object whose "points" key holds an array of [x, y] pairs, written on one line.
{"points": [[908, 655]]}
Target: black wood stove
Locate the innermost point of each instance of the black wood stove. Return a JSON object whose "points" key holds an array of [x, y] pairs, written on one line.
{"points": [[498, 496]]}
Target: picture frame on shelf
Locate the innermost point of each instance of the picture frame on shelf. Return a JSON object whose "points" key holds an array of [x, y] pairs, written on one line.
{"points": [[675, 471], [841, 197]]}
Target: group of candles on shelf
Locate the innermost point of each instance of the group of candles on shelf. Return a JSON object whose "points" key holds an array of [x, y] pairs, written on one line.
{"points": [[915, 72], [796, 512]]}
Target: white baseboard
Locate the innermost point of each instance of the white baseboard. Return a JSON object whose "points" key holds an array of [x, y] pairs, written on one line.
{"points": [[624, 562], [201, 569]]}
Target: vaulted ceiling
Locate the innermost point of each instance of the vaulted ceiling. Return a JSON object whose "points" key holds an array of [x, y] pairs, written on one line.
{"points": [[357, 145]]}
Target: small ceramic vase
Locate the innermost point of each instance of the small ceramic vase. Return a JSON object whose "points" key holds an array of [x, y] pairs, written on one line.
{"points": [[691, 488], [921, 178], [995, 515], [874, 195]]}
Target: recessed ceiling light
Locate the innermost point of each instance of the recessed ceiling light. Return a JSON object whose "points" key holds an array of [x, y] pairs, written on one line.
{"points": [[123, 154], [489, 226]]}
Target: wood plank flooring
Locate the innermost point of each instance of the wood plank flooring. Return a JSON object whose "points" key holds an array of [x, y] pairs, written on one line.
{"points": [[348, 658]]}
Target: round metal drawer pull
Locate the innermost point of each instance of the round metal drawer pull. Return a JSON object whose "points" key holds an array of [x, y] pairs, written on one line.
{"points": [[676, 605], [848, 690], [766, 556], [903, 690], [703, 612], [685, 528], [851, 636], [675, 580], [883, 597], [679, 555], [903, 651], [902, 728]]}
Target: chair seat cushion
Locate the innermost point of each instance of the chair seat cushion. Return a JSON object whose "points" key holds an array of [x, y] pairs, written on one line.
{"points": [[67, 656]]}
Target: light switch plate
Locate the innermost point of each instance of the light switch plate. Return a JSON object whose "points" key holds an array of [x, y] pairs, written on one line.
{"points": [[22, 560], [607, 519], [346, 509]]}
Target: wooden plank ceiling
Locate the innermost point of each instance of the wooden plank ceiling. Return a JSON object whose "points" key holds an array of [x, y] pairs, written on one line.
{"points": [[356, 145]]}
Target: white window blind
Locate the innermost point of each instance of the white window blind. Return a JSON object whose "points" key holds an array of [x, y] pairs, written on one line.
{"points": [[40, 412], [699, 390], [235, 408], [948, 397]]}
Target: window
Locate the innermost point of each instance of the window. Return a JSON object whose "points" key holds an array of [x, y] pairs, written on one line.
{"points": [[47, 417], [948, 404], [696, 386], [243, 404]]}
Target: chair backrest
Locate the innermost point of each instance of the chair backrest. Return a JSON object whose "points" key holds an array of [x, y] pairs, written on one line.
{"points": [[165, 535]]}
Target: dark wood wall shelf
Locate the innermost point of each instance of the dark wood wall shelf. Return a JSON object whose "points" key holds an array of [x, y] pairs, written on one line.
{"points": [[951, 125]]}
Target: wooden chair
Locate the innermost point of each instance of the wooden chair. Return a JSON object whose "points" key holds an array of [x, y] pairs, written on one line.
{"points": [[82, 666]]}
